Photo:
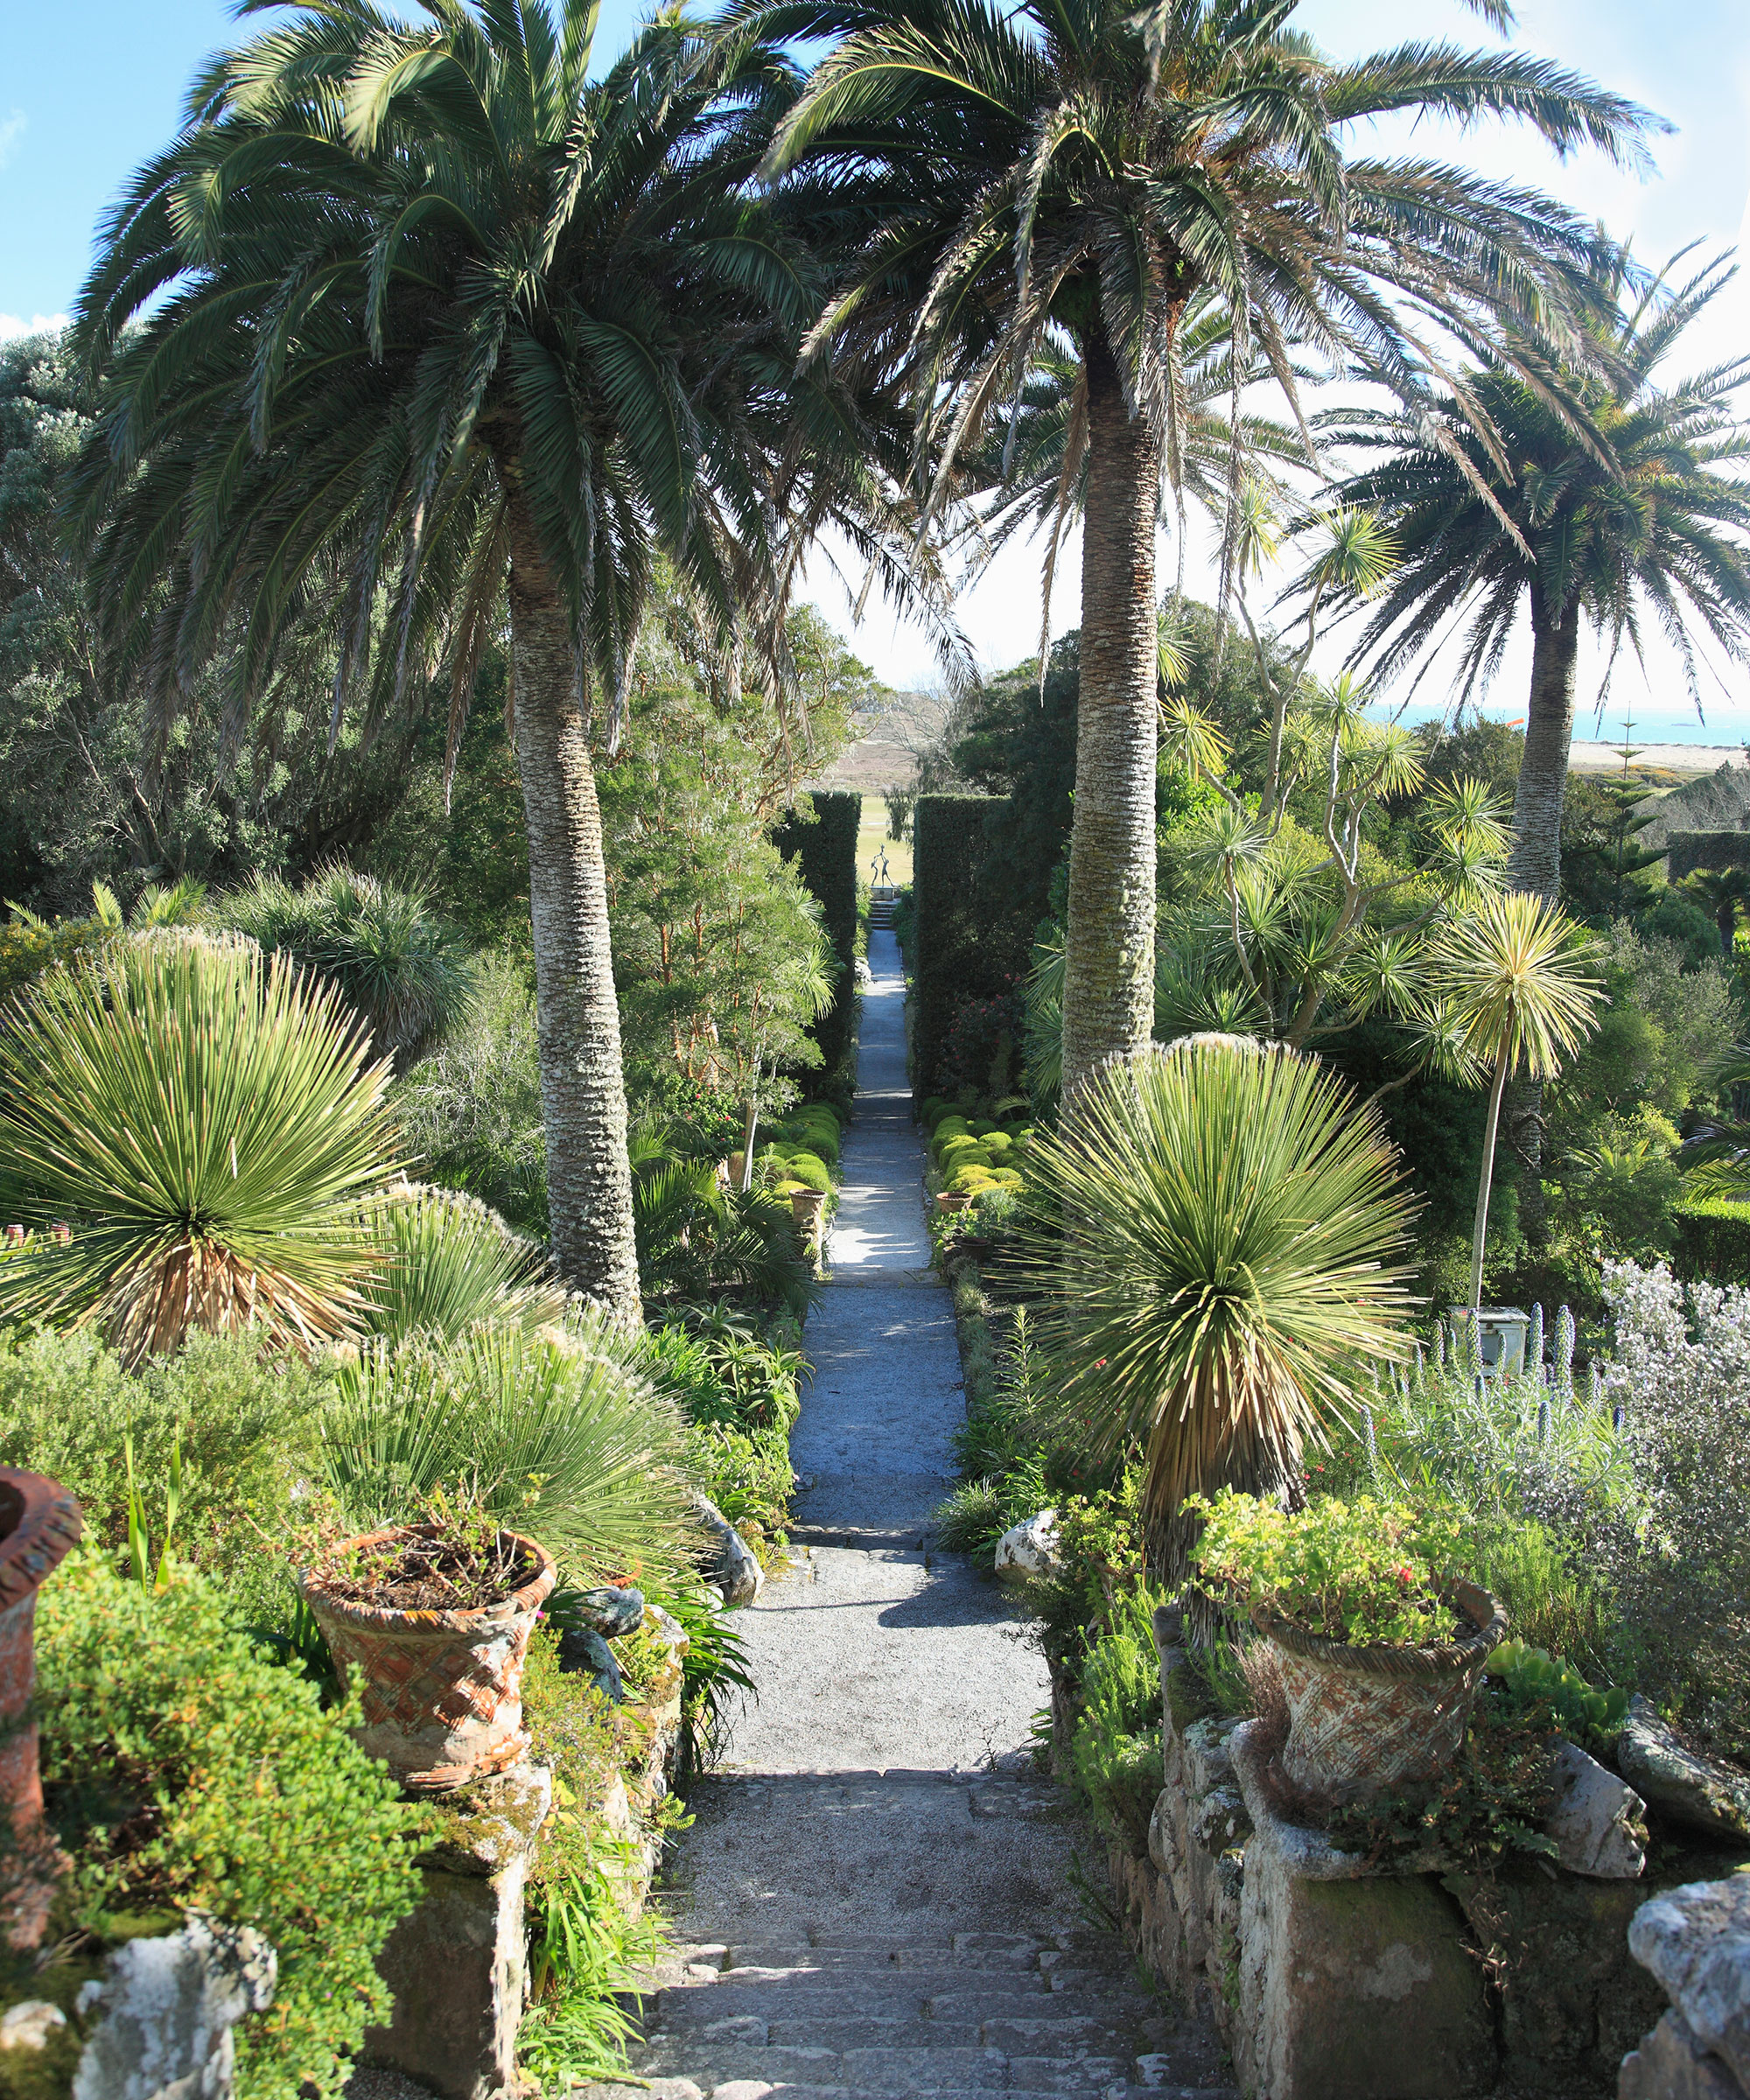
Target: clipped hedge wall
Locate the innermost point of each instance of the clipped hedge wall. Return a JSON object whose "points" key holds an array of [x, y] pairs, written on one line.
{"points": [[955, 956], [1713, 1241], [825, 852], [1689, 851]]}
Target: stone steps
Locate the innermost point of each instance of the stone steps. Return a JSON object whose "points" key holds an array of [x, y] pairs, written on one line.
{"points": [[874, 2017]]}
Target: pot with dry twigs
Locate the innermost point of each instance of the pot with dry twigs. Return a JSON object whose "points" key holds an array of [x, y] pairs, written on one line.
{"points": [[436, 1619]]}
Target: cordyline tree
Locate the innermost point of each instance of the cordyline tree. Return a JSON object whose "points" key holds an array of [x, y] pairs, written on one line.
{"points": [[414, 320], [1624, 506], [1069, 177]]}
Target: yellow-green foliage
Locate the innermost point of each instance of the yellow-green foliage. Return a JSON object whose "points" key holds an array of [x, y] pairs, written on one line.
{"points": [[968, 1180], [809, 1170], [251, 1804]]}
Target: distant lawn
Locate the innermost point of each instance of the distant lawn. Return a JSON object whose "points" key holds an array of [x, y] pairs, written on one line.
{"points": [[871, 839]]}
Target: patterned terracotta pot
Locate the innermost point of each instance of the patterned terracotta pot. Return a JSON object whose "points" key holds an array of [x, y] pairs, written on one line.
{"points": [[442, 1691], [808, 1207], [953, 1199], [1363, 1720], [38, 1523]]}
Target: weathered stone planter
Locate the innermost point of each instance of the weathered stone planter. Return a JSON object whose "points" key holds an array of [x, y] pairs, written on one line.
{"points": [[951, 1200], [808, 1207], [442, 1691], [1329, 1982], [1362, 1720]]}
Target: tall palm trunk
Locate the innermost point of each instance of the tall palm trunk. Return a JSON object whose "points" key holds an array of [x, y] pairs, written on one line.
{"points": [[1536, 864], [583, 1087], [1108, 976], [1536, 861]]}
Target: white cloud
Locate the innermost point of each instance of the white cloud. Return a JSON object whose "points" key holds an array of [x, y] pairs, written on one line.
{"points": [[12, 130], [12, 326]]}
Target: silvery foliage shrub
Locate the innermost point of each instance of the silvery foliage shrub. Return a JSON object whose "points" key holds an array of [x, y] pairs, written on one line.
{"points": [[1681, 1368]]}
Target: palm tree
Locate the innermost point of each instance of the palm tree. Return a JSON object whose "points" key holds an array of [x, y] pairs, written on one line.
{"points": [[414, 321], [1234, 1240], [1070, 175], [1512, 977], [1622, 505], [1720, 891]]}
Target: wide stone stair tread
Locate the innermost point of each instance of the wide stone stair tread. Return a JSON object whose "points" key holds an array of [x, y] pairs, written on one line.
{"points": [[867, 2016]]}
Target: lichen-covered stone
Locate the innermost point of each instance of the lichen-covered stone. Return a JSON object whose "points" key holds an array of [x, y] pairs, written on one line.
{"points": [[1696, 1940], [1362, 1988], [1596, 1820], [168, 2007], [457, 1966], [1670, 2064], [1697, 1792], [1571, 2001]]}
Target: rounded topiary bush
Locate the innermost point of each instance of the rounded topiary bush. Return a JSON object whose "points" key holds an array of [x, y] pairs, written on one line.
{"points": [[998, 1145], [821, 1138], [247, 1801], [982, 1126], [931, 1111], [968, 1180], [804, 1169]]}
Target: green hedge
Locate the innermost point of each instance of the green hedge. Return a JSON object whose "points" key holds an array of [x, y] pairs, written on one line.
{"points": [[824, 849], [1691, 850], [1713, 1241], [956, 958]]}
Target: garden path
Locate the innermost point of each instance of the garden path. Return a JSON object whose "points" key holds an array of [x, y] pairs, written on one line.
{"points": [[875, 1897]]}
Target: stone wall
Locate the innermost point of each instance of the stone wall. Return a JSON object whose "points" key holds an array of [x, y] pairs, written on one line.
{"points": [[1326, 1979]]}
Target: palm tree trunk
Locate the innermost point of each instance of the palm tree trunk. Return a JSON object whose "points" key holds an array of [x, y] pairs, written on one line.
{"points": [[1479, 1231], [583, 1088], [1536, 861], [1108, 976]]}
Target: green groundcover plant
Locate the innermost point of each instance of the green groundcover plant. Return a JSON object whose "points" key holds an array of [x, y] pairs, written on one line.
{"points": [[185, 1771], [1364, 1571]]}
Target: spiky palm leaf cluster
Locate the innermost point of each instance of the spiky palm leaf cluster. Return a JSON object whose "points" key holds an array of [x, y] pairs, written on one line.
{"points": [[559, 1436], [205, 1121], [1499, 496], [406, 972], [448, 1262], [1233, 1240], [1079, 174], [403, 297]]}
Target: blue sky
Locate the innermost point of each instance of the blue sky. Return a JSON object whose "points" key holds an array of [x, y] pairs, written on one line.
{"points": [[89, 88]]}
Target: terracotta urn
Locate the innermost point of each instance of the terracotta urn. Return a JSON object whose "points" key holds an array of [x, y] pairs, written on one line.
{"points": [[442, 1691], [951, 1201], [1363, 1720], [40, 1523]]}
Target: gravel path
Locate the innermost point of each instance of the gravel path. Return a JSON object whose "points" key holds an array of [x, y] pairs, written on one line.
{"points": [[875, 1899]]}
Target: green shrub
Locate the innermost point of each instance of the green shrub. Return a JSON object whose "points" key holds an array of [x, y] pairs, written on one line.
{"points": [[1115, 1746], [955, 955], [266, 1812], [998, 1145], [27, 949], [246, 1425], [472, 1110], [1362, 1572], [932, 1111], [1713, 1241], [820, 835], [807, 1170], [968, 1180], [820, 1139]]}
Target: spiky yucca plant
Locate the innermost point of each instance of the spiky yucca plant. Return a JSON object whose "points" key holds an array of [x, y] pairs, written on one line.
{"points": [[206, 1121], [556, 1436], [1234, 1238], [450, 1263]]}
